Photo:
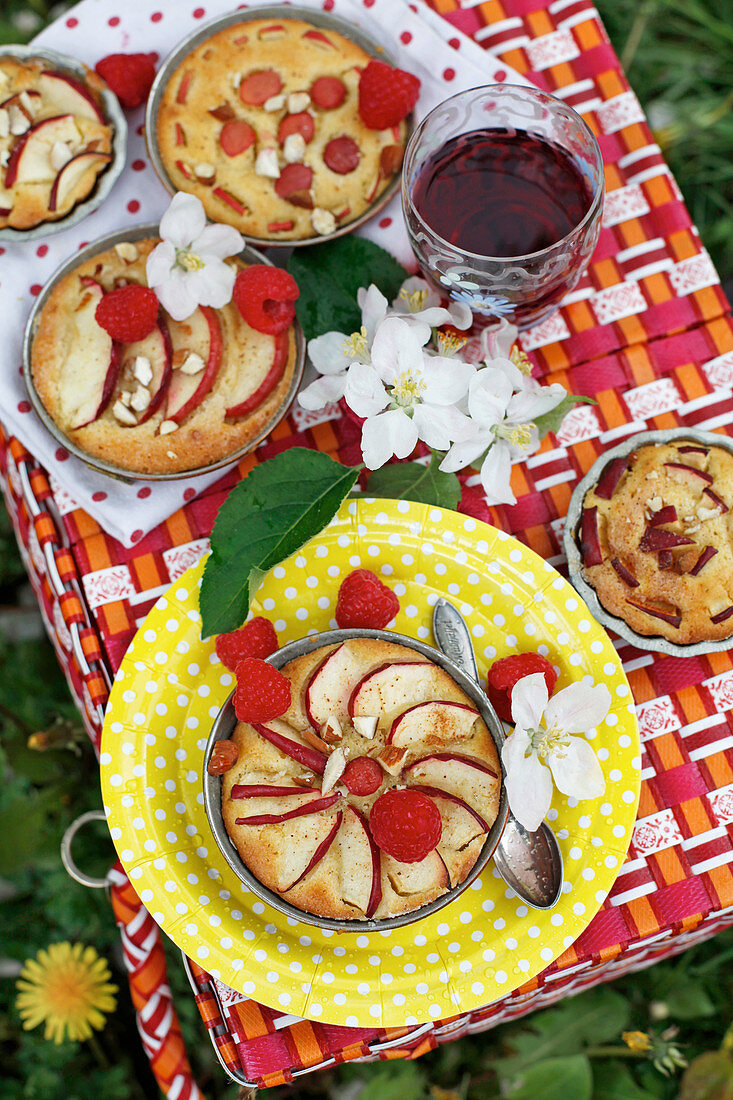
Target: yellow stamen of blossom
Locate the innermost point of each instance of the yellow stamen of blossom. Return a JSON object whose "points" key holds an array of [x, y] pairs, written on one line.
{"points": [[67, 989], [520, 360], [638, 1041], [356, 344], [553, 740], [188, 260], [449, 342], [406, 389], [415, 301], [519, 435]]}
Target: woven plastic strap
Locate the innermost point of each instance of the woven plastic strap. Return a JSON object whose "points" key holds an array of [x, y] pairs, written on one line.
{"points": [[157, 1021]]}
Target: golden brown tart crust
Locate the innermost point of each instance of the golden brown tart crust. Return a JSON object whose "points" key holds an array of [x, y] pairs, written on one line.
{"points": [[660, 520], [188, 134], [339, 886], [43, 113], [206, 435]]}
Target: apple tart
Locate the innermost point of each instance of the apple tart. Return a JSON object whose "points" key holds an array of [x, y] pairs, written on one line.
{"points": [[185, 397], [657, 543], [261, 122], [54, 141], [315, 802]]}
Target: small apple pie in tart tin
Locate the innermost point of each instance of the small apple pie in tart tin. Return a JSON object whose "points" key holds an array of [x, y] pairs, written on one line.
{"points": [[376, 798], [649, 540], [62, 142], [257, 114], [191, 396]]}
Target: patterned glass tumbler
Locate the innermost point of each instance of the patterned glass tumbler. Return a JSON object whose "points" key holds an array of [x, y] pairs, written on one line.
{"points": [[502, 194]]}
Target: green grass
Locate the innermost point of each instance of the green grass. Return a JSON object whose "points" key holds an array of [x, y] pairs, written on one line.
{"points": [[679, 57]]}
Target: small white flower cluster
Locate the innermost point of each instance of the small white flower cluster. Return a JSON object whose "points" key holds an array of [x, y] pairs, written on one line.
{"points": [[407, 380]]}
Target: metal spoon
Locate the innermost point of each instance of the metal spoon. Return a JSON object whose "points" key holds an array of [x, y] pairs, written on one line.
{"points": [[531, 863]]}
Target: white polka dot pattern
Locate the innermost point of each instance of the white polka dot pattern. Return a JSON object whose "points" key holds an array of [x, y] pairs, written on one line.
{"points": [[482, 945]]}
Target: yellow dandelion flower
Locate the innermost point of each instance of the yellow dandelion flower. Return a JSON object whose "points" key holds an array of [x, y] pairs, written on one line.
{"points": [[67, 989], [638, 1041]]}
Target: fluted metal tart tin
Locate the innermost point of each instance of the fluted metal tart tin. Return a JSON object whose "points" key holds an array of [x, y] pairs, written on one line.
{"points": [[102, 244], [270, 11], [224, 726], [106, 179], [571, 542]]}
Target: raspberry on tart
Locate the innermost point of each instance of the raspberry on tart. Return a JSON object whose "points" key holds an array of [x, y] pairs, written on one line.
{"points": [[656, 543], [373, 793], [262, 122], [163, 399], [54, 141]]}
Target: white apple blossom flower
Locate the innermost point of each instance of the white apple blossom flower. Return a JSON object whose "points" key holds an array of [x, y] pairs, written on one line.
{"points": [[406, 395], [569, 760], [503, 403], [417, 299], [187, 268]]}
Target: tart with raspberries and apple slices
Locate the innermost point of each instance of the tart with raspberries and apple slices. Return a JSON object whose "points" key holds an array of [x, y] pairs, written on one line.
{"points": [[135, 388], [54, 141], [265, 122], [373, 794], [656, 540]]}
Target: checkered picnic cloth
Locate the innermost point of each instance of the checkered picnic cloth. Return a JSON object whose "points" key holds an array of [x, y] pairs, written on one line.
{"points": [[647, 332]]}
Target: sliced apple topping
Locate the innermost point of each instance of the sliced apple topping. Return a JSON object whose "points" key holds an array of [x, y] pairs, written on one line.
{"points": [[664, 514], [428, 876], [673, 617], [320, 851], [89, 392], [394, 686], [459, 775], [655, 539], [610, 478], [361, 884], [708, 553], [624, 573], [76, 176], [69, 95], [590, 546], [720, 610], [288, 740], [692, 450], [432, 723], [188, 387], [243, 403], [716, 500], [688, 475], [312, 806]]}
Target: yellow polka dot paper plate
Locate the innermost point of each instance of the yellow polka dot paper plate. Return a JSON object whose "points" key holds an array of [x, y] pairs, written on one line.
{"points": [[485, 943]]}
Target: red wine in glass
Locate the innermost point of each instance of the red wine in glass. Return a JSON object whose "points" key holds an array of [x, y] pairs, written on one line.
{"points": [[501, 193]]}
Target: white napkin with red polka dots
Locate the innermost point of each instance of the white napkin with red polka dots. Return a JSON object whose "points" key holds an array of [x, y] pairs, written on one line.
{"points": [[446, 62]]}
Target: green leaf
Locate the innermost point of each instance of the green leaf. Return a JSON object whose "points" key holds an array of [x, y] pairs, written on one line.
{"points": [[394, 1081], [269, 515], [596, 1016], [413, 481], [551, 421], [329, 275], [568, 1078], [689, 1001], [612, 1081]]}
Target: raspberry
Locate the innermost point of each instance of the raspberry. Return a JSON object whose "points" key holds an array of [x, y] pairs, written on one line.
{"points": [[362, 775], [257, 638], [363, 601], [129, 75], [504, 674], [129, 313], [405, 824], [386, 95], [262, 691], [265, 297]]}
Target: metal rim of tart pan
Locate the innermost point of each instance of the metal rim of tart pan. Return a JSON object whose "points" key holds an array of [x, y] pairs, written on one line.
{"points": [[106, 179], [102, 244], [571, 543], [274, 11], [224, 726]]}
